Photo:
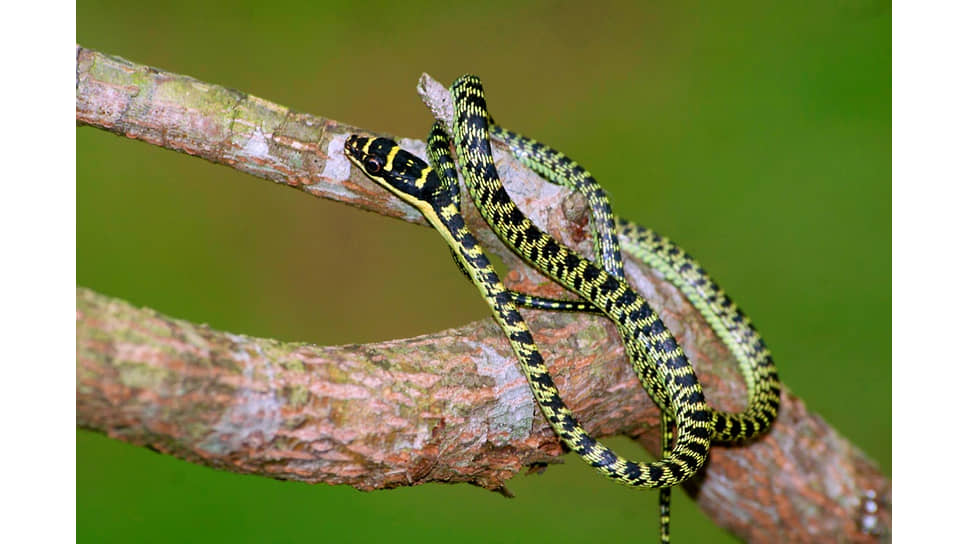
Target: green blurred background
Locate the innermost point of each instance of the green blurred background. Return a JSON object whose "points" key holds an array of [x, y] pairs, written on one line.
{"points": [[755, 135]]}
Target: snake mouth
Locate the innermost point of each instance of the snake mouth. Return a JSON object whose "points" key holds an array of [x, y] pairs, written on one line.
{"points": [[351, 144], [355, 149]]}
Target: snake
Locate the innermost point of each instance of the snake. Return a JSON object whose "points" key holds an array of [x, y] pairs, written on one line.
{"points": [[433, 189], [617, 302]]}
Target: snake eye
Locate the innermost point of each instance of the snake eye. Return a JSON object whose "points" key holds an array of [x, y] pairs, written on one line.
{"points": [[372, 165]]}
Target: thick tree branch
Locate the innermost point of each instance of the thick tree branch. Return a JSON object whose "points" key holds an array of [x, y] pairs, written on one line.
{"points": [[450, 406]]}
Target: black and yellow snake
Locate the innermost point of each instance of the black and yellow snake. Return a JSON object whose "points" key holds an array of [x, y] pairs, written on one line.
{"points": [[659, 362]]}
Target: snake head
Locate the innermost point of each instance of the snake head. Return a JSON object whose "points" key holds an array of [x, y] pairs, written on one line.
{"points": [[396, 169]]}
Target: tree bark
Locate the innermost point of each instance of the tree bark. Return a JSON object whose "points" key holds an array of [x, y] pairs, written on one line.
{"points": [[446, 407]]}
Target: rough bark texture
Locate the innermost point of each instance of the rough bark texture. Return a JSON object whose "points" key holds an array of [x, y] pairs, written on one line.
{"points": [[451, 406]]}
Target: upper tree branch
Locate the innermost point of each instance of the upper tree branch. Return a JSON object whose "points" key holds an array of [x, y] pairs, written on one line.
{"points": [[451, 406]]}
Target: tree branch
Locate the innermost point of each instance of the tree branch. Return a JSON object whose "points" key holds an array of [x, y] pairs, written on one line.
{"points": [[447, 407]]}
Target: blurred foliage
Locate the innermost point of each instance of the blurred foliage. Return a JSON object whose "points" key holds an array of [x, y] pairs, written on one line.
{"points": [[755, 134]]}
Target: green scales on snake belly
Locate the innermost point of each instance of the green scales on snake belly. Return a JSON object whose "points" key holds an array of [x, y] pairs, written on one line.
{"points": [[657, 359]]}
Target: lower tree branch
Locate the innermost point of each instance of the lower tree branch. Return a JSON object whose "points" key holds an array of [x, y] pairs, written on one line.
{"points": [[446, 407]]}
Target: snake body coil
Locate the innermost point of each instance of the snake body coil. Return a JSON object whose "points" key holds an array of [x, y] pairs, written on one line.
{"points": [[676, 266]]}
